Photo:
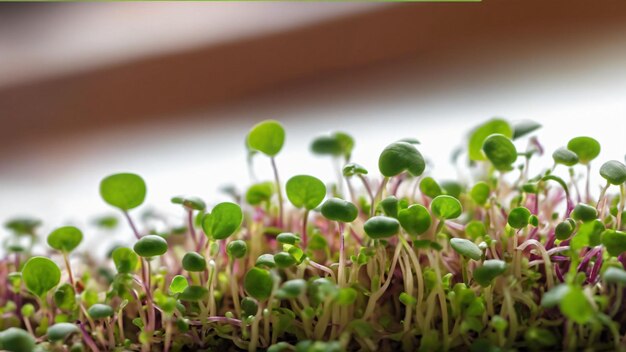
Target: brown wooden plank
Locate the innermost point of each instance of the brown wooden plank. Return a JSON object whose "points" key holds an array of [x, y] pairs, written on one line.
{"points": [[170, 85]]}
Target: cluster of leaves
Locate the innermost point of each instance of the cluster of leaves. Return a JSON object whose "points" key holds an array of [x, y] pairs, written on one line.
{"points": [[503, 261]]}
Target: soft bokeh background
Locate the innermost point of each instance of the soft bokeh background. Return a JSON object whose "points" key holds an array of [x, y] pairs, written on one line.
{"points": [[170, 90]]}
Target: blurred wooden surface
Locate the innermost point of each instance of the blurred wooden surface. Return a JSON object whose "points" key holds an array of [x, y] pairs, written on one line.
{"points": [[169, 85]]}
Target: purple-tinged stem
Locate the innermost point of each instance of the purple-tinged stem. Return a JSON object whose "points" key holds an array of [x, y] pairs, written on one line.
{"points": [[396, 185], [88, 340], [132, 224], [590, 254], [356, 237], [322, 268], [559, 275], [593, 277], [559, 258], [192, 230], [622, 259]]}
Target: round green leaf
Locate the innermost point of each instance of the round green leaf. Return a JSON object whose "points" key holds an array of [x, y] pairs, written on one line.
{"points": [[288, 238], [194, 262], [65, 239], [16, 340], [415, 219], [337, 209], [22, 226], [588, 234], [407, 299], [258, 283], [65, 297], [500, 151], [565, 157], [554, 296], [614, 242], [106, 222], [584, 212], [237, 249], [60, 331], [480, 193], [452, 188], [179, 284], [249, 307], [259, 193], [518, 218], [530, 187], [446, 207], [533, 220], [475, 229], [40, 275], [586, 148], [564, 230], [352, 169], [124, 191], [614, 275], [539, 339], [346, 296], [265, 260], [194, 293], [189, 202], [614, 172], [430, 188], [381, 227], [223, 221], [267, 137], [466, 248], [336, 144], [100, 311], [399, 157], [575, 306], [490, 269], [28, 310], [389, 206], [291, 289], [150, 246], [125, 259], [522, 128], [305, 191], [480, 133], [284, 260]]}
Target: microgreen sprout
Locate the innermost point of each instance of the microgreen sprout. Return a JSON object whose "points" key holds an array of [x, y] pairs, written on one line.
{"points": [[306, 192], [497, 260], [268, 137]]}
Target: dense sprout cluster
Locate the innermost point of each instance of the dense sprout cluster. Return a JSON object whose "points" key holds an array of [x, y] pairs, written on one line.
{"points": [[502, 261]]}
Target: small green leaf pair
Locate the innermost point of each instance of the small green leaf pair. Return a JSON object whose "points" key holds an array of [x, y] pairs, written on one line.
{"points": [[259, 283], [65, 239], [572, 302], [267, 137], [304, 191], [399, 157], [223, 221], [335, 144], [40, 275]]}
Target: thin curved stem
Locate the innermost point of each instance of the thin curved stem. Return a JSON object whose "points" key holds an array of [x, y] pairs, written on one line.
{"points": [[305, 220], [69, 269], [279, 192], [132, 224]]}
